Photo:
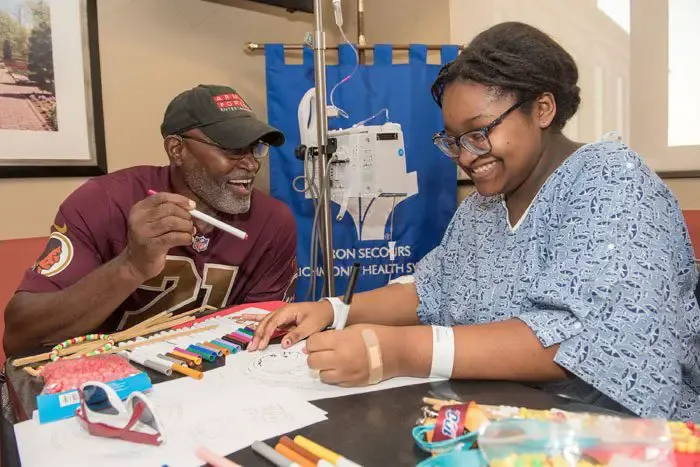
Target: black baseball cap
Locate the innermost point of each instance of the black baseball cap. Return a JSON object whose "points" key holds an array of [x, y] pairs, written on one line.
{"points": [[221, 114]]}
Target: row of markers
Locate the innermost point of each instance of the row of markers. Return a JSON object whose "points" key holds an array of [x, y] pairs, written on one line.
{"points": [[219, 347], [185, 353]]}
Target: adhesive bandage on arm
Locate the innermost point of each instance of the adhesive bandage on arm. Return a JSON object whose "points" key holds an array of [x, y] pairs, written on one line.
{"points": [[374, 355], [443, 352]]}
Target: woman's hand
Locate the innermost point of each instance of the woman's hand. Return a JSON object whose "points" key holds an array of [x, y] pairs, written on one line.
{"points": [[300, 319], [341, 356]]}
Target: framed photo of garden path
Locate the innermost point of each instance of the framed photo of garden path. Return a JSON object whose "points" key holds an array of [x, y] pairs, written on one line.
{"points": [[51, 121]]}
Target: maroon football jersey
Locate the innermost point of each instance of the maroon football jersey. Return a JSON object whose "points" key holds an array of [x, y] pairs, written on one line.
{"points": [[219, 269]]}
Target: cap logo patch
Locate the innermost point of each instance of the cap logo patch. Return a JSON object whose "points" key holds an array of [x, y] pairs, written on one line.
{"points": [[230, 102]]}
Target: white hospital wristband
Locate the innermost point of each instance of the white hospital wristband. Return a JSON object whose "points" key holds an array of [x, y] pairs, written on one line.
{"points": [[403, 280], [443, 352], [340, 312]]}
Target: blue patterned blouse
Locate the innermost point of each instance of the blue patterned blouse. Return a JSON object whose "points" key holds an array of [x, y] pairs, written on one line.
{"points": [[601, 264]]}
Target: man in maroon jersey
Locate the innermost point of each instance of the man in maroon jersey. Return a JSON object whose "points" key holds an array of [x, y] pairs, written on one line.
{"points": [[117, 256]]}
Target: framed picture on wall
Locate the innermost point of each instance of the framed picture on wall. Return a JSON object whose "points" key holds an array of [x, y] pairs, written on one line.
{"points": [[51, 122]]}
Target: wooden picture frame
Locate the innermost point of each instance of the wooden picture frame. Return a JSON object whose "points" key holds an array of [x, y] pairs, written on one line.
{"points": [[51, 119]]}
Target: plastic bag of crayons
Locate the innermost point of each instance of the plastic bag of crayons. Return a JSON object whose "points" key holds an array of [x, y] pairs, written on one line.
{"points": [[530, 443], [66, 374], [59, 398], [603, 441], [475, 435]]}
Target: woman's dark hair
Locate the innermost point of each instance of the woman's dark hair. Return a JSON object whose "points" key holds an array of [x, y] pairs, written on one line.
{"points": [[517, 59]]}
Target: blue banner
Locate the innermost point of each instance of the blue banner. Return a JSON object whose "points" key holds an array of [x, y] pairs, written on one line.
{"points": [[387, 234]]}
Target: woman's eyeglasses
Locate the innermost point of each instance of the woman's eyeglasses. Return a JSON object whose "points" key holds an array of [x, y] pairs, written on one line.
{"points": [[259, 150], [476, 141]]}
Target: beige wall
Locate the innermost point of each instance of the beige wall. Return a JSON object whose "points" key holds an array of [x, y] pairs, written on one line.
{"points": [[407, 21], [153, 49], [622, 76], [687, 190], [599, 46]]}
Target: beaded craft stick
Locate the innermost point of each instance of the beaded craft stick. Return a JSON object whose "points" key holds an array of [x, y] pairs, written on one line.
{"points": [[169, 351], [220, 337], [94, 344], [133, 345], [169, 347]]}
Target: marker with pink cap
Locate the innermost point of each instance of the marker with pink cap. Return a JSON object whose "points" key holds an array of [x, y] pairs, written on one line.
{"points": [[213, 221]]}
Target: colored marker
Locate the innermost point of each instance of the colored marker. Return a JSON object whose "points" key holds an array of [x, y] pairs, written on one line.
{"points": [[176, 360], [230, 339], [154, 364], [349, 292], [180, 360], [200, 348], [189, 361], [170, 359], [201, 351], [191, 372], [294, 456], [213, 221], [323, 453], [271, 455], [242, 335], [159, 366], [233, 348], [196, 359], [218, 350], [213, 345], [248, 331], [206, 354], [315, 460], [233, 341], [214, 460], [187, 352]]}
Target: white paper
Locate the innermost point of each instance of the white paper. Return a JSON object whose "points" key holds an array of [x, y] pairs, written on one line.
{"points": [[275, 367], [193, 413], [255, 396], [287, 369]]}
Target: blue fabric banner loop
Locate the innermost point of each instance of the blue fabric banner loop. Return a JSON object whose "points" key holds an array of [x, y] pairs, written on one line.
{"points": [[383, 54], [418, 54]]}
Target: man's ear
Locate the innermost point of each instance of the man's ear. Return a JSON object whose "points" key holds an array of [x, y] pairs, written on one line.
{"points": [[546, 108], [175, 148]]}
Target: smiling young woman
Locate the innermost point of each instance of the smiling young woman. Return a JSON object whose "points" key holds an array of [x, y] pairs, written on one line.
{"points": [[570, 267]]}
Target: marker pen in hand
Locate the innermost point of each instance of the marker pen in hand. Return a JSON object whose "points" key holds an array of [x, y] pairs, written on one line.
{"points": [[213, 221], [352, 283], [347, 298]]}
